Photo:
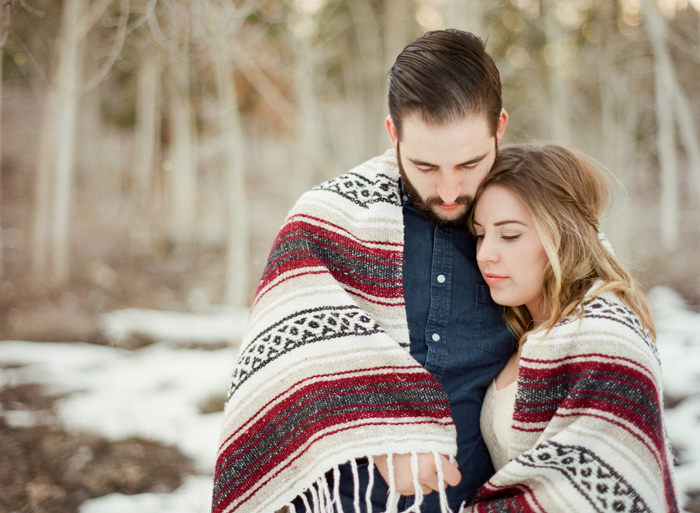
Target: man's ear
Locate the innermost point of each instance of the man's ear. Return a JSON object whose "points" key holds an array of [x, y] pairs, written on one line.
{"points": [[393, 134], [501, 127]]}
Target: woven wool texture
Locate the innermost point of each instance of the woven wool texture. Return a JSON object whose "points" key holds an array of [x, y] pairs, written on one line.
{"points": [[588, 432], [324, 375]]}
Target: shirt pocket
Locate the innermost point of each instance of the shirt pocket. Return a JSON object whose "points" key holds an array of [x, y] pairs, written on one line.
{"points": [[490, 331]]}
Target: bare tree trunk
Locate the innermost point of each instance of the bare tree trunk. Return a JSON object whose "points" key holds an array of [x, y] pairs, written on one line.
{"points": [[232, 149], [2, 260], [42, 189], [183, 174], [558, 88], [656, 29], [67, 94], [398, 22], [669, 202], [610, 128], [370, 72], [308, 147], [147, 125]]}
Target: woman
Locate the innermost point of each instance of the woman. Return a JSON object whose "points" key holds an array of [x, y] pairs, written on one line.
{"points": [[574, 421]]}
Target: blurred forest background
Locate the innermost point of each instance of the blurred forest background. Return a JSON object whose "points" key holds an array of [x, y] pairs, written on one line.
{"points": [[151, 148]]}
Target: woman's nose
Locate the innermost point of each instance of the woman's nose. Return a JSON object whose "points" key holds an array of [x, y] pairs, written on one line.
{"points": [[484, 251]]}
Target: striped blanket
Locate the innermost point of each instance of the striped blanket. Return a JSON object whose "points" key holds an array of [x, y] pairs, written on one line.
{"points": [[324, 375], [588, 432]]}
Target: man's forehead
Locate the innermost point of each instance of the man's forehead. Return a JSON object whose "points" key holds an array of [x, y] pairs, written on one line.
{"points": [[417, 120], [451, 143]]}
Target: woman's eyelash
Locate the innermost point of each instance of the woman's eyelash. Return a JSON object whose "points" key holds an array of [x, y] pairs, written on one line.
{"points": [[510, 237]]}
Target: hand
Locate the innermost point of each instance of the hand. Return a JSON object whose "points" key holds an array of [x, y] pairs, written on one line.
{"points": [[427, 472]]}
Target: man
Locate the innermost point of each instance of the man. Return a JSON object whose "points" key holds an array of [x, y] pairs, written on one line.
{"points": [[373, 335]]}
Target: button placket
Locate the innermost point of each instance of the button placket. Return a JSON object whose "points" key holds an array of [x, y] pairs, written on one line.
{"points": [[440, 290]]}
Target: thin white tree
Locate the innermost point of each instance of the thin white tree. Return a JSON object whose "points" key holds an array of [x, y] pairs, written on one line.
{"points": [[672, 105], [7, 8], [560, 124], [56, 158]]}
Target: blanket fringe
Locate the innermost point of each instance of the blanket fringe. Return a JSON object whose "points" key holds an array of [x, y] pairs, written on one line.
{"points": [[392, 502], [370, 484], [444, 505], [336, 489], [416, 485], [327, 500], [355, 485], [315, 499], [307, 507]]}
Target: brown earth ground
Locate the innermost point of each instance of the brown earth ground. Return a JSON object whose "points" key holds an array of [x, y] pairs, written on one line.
{"points": [[47, 469]]}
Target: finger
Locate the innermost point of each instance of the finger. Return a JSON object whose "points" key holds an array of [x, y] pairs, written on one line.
{"points": [[450, 472]]}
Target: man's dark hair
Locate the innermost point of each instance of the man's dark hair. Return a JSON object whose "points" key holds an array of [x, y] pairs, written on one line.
{"points": [[443, 76]]}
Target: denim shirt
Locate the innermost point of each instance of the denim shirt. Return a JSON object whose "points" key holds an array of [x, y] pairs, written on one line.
{"points": [[457, 333]]}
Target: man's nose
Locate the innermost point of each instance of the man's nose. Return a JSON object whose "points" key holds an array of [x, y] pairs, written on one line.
{"points": [[449, 187]]}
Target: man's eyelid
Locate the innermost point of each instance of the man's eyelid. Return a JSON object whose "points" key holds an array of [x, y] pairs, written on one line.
{"points": [[468, 165]]}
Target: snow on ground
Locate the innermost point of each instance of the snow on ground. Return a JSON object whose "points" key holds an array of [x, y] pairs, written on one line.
{"points": [[225, 325], [156, 391], [679, 348]]}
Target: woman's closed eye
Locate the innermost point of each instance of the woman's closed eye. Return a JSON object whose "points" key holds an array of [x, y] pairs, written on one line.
{"points": [[511, 237]]}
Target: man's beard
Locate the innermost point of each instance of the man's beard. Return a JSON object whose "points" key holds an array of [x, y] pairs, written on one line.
{"points": [[426, 206]]}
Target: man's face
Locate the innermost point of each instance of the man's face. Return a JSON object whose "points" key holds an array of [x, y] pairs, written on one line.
{"points": [[443, 165]]}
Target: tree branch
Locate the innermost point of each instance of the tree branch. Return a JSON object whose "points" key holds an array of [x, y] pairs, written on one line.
{"points": [[96, 10], [116, 49], [267, 89]]}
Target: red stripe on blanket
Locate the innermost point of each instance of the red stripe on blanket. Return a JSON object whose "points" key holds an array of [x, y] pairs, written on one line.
{"points": [[493, 498], [396, 371], [348, 246], [577, 372], [392, 289], [349, 234], [228, 499], [319, 421], [261, 293]]}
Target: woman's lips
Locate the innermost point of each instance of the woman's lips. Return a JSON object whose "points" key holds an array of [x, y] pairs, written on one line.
{"points": [[492, 279]]}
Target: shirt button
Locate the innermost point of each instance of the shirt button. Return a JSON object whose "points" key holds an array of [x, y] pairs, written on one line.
{"points": [[435, 337], [405, 198], [441, 278]]}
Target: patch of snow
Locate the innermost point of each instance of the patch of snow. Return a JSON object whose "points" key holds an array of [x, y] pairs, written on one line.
{"points": [[194, 496], [226, 325], [156, 391]]}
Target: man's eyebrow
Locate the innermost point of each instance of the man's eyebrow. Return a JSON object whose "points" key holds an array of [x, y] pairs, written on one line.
{"points": [[501, 223], [473, 161], [468, 163], [422, 163]]}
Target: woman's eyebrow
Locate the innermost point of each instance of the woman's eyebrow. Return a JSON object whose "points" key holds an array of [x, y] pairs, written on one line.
{"points": [[500, 223]]}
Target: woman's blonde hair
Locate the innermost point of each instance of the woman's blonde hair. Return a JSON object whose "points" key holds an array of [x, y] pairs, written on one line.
{"points": [[566, 195]]}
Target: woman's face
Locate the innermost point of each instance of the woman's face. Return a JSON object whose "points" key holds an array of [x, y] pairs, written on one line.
{"points": [[510, 254]]}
